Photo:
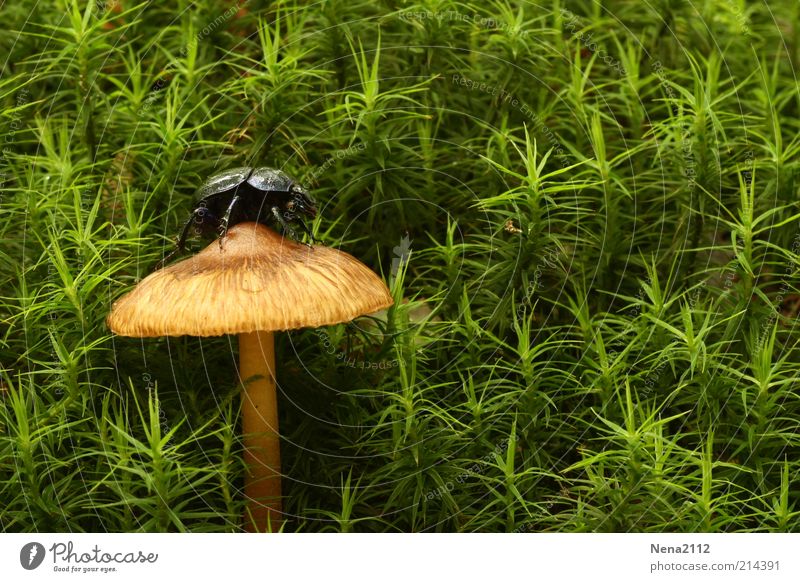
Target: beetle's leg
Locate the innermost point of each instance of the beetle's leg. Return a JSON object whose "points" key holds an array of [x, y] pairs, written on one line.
{"points": [[309, 233], [180, 244], [202, 220], [160, 264], [276, 212], [223, 224]]}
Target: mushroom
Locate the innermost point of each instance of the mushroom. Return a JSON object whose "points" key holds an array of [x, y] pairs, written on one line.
{"points": [[254, 284]]}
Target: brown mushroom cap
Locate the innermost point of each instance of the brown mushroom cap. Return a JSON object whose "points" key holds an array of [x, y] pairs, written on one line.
{"points": [[257, 281]]}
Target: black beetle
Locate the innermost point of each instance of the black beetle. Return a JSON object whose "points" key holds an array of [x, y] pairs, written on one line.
{"points": [[247, 194]]}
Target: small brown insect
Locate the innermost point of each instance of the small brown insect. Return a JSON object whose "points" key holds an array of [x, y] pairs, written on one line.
{"points": [[509, 227]]}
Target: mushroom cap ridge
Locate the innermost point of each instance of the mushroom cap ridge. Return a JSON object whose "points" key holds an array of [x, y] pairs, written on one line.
{"points": [[257, 281]]}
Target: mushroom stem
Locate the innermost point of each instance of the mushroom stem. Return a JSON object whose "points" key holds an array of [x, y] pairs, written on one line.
{"points": [[262, 453]]}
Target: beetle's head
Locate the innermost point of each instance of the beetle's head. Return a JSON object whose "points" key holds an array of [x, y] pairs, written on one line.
{"points": [[301, 202]]}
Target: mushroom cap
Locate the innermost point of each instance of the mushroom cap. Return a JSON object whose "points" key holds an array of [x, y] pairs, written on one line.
{"points": [[256, 281]]}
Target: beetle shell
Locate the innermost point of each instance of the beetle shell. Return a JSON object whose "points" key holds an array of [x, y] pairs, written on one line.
{"points": [[263, 179], [222, 182], [269, 180]]}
